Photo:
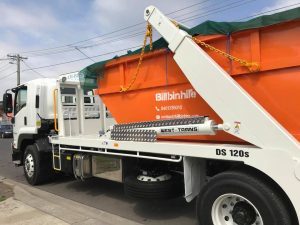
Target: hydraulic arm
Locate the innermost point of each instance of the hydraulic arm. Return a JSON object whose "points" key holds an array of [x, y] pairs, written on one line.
{"points": [[242, 116]]}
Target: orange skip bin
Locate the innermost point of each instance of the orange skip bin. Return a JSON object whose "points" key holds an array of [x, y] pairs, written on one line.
{"points": [[161, 90]]}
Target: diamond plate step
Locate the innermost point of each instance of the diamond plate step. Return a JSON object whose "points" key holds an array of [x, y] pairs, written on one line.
{"points": [[162, 123]]}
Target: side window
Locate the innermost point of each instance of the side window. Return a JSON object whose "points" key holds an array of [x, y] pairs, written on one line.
{"points": [[88, 96], [68, 95], [21, 99]]}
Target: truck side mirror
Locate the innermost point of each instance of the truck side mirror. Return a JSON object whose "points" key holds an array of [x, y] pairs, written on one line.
{"points": [[7, 103]]}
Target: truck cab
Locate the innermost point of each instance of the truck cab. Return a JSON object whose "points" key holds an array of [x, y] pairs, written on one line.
{"points": [[32, 108]]}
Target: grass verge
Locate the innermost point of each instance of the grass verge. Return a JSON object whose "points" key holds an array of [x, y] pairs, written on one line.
{"points": [[2, 198]]}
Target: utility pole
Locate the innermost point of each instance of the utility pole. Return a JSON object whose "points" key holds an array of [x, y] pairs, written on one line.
{"points": [[17, 58]]}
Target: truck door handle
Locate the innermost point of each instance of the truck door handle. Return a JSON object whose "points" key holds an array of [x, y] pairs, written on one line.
{"points": [[25, 120]]}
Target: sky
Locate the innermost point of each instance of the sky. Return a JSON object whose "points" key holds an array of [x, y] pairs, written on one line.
{"points": [[59, 31]]}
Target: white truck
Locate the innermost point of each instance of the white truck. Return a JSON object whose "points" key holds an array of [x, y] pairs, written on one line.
{"points": [[58, 126]]}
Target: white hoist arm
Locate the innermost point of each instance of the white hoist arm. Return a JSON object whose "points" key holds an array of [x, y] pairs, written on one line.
{"points": [[222, 93]]}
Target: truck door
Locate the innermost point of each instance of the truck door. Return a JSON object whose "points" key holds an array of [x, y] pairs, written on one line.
{"points": [[20, 112]]}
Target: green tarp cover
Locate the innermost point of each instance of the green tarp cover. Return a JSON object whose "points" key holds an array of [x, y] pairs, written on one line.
{"points": [[88, 75]]}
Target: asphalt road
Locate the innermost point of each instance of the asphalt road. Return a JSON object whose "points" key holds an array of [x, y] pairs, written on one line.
{"points": [[106, 195]]}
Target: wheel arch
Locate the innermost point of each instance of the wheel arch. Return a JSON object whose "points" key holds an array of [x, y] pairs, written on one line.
{"points": [[23, 142], [41, 143], [260, 174]]}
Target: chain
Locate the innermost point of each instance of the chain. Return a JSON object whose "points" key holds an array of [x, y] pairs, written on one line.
{"points": [[252, 66], [147, 34]]}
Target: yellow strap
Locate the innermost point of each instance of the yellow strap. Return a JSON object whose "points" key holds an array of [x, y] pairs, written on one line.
{"points": [[54, 109]]}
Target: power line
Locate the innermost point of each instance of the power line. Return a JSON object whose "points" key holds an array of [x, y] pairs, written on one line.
{"points": [[216, 10], [126, 34], [57, 64], [195, 10], [93, 45], [77, 60], [110, 40], [4, 67], [108, 52], [190, 6], [84, 54], [88, 39], [123, 36], [8, 75], [130, 35], [38, 73], [114, 40], [112, 32], [68, 47], [70, 72], [3, 59], [273, 10]]}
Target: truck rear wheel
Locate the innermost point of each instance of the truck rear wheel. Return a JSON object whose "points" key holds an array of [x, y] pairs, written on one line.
{"points": [[36, 171], [237, 198], [145, 187]]}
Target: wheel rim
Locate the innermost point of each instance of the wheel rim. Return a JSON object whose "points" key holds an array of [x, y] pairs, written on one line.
{"points": [[146, 178], [233, 209], [29, 165]]}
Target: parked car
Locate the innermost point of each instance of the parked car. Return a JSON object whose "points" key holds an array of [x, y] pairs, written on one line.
{"points": [[6, 131]]}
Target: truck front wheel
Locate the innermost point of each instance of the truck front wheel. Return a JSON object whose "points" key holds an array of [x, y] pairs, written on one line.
{"points": [[36, 171], [238, 198]]}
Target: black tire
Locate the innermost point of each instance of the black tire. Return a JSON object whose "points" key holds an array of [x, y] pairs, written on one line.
{"points": [[267, 201], [42, 166], [154, 190]]}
